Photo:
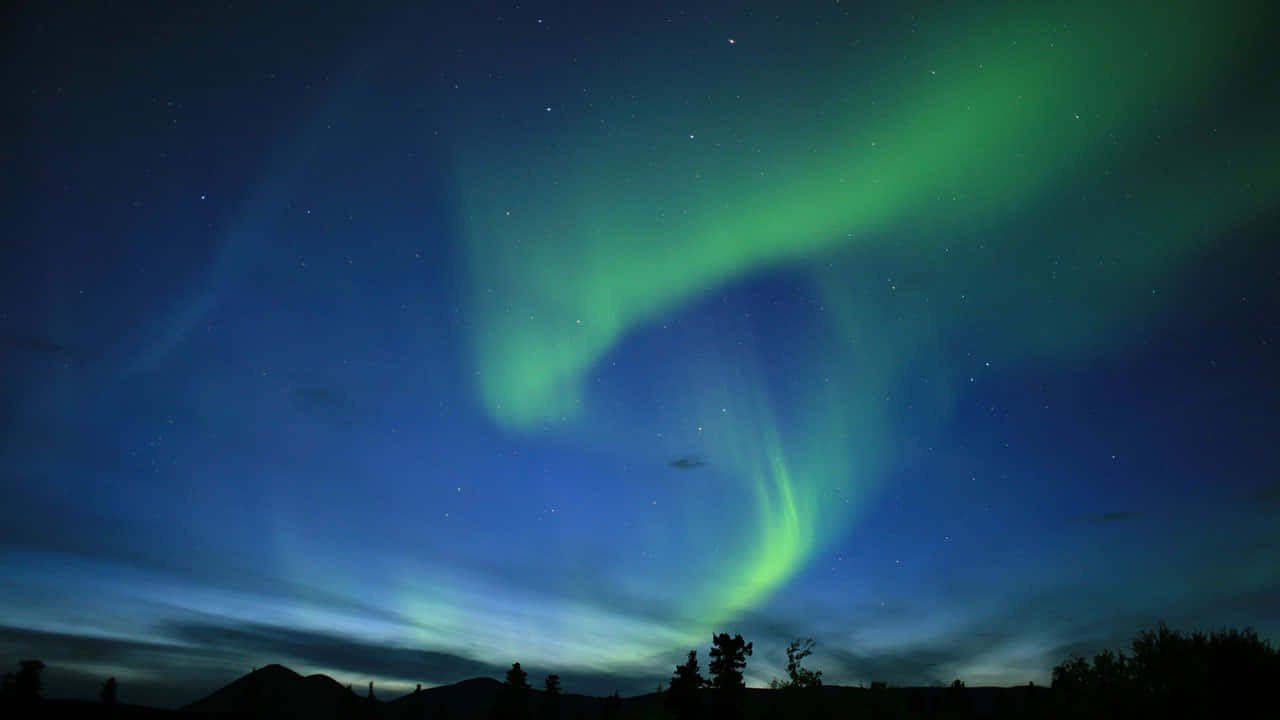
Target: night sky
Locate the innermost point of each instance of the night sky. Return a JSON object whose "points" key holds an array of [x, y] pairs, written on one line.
{"points": [[401, 343]]}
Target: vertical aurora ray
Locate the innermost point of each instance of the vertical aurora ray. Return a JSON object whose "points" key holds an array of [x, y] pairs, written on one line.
{"points": [[923, 153], [800, 466]]}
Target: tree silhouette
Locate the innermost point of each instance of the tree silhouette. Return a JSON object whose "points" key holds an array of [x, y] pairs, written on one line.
{"points": [[798, 677], [517, 678], [349, 704], [955, 703], [1102, 689], [682, 694], [550, 707], [23, 687], [109, 691], [513, 699], [1171, 674], [801, 690], [612, 706], [728, 660], [27, 684]]}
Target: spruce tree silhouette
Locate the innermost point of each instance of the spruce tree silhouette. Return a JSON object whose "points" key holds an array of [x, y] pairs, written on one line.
{"points": [[512, 702], [683, 700], [109, 689], [22, 688], [348, 705], [550, 707], [612, 707], [28, 683], [728, 660]]}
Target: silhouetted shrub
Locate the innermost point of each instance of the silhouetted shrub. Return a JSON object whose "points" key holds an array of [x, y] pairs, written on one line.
{"points": [[798, 677], [955, 702], [1171, 674], [800, 694]]}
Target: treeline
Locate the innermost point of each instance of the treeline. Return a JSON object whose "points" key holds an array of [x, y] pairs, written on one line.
{"points": [[1227, 673], [689, 694], [1166, 674]]}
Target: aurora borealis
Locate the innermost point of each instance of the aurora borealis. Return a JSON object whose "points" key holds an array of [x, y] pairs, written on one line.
{"points": [[408, 343]]}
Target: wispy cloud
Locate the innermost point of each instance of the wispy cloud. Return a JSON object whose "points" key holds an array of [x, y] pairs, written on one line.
{"points": [[29, 342], [688, 462], [331, 650], [150, 672], [1104, 518]]}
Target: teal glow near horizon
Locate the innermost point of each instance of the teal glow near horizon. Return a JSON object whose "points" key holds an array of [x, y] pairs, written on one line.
{"points": [[573, 334]]}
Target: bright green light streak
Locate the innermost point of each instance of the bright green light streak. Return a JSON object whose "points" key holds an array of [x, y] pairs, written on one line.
{"points": [[572, 248], [577, 239]]}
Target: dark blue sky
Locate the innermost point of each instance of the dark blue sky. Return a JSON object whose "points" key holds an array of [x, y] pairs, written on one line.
{"points": [[402, 344]]}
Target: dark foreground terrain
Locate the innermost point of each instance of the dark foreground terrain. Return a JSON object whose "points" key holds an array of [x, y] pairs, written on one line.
{"points": [[278, 692], [1168, 674]]}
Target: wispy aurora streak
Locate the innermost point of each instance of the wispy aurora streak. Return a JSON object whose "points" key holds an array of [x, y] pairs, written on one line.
{"points": [[915, 154]]}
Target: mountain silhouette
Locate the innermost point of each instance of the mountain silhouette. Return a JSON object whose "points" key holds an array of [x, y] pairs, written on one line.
{"points": [[276, 691], [472, 698], [475, 699]]}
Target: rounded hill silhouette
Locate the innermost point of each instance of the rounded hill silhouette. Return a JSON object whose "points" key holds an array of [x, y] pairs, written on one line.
{"points": [[276, 691]]}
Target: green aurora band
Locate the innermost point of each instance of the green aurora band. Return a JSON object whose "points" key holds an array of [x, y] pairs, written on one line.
{"points": [[927, 155]]}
